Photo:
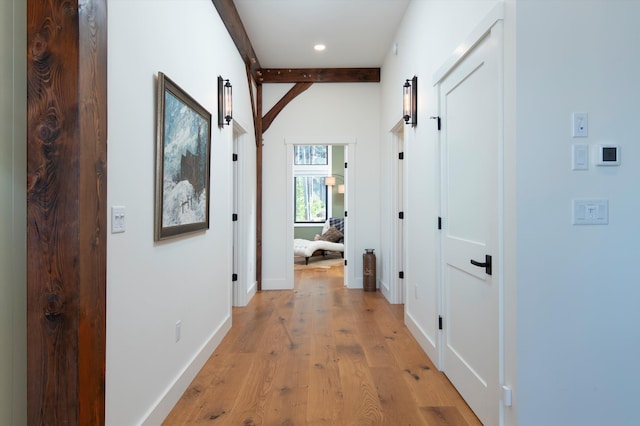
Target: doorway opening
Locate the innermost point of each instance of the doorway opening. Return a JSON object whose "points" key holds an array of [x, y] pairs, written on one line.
{"points": [[319, 189], [346, 169]]}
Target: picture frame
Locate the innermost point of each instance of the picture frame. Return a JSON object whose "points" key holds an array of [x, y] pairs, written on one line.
{"points": [[183, 162]]}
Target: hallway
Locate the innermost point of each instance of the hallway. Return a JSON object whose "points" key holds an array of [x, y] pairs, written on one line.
{"points": [[320, 354]]}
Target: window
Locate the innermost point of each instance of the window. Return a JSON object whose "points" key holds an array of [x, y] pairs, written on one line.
{"points": [[311, 199], [307, 155], [311, 166]]}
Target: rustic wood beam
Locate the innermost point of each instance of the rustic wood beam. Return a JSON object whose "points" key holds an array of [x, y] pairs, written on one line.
{"points": [[250, 83], [231, 19], [320, 75], [279, 106], [66, 211]]}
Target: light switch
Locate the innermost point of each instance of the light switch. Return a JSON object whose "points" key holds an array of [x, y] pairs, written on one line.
{"points": [[590, 212], [118, 223], [579, 156]]}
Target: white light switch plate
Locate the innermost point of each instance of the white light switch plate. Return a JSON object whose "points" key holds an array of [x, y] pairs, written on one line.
{"points": [[118, 223], [590, 212], [580, 156]]}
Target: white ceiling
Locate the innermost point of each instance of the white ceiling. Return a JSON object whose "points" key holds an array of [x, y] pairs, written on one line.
{"points": [[357, 33]]}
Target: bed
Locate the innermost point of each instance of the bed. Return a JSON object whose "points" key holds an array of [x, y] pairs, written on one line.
{"points": [[331, 240]]}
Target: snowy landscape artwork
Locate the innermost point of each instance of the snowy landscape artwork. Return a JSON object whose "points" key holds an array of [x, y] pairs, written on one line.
{"points": [[182, 162]]}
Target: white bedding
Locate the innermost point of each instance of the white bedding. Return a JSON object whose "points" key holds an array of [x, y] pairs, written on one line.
{"points": [[306, 248]]}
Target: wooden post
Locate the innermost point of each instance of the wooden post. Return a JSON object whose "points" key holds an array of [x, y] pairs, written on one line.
{"points": [[66, 211]]}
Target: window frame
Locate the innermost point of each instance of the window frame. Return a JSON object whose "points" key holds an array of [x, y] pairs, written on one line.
{"points": [[315, 171]]}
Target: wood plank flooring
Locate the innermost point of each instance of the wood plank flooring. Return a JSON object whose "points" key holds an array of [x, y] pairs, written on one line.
{"points": [[320, 354]]}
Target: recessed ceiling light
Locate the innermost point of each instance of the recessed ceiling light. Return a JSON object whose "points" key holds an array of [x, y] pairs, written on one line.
{"points": [[319, 47]]}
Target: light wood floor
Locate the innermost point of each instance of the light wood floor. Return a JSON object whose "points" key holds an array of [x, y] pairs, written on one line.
{"points": [[320, 354]]}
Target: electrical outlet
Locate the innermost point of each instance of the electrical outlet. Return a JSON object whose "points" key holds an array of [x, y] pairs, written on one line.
{"points": [[178, 330], [580, 125]]}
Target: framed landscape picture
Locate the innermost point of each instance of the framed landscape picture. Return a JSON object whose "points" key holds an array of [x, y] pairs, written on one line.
{"points": [[183, 164]]}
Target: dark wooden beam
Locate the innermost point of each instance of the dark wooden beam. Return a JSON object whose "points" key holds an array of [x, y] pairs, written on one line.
{"points": [[320, 75], [279, 106], [66, 211], [231, 19]]}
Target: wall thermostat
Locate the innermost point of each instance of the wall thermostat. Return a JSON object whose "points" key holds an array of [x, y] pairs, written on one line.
{"points": [[608, 155]]}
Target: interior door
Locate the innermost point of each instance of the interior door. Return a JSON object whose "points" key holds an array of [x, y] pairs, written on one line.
{"points": [[471, 111], [237, 289], [400, 291]]}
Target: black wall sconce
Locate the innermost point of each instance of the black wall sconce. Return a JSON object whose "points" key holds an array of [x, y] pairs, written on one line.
{"points": [[410, 101], [224, 102]]}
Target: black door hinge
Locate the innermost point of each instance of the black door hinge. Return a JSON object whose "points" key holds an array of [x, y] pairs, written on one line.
{"points": [[440, 322], [235, 157], [401, 156], [345, 165], [345, 262], [345, 213], [234, 277], [439, 222], [400, 215], [439, 122], [234, 217], [401, 275]]}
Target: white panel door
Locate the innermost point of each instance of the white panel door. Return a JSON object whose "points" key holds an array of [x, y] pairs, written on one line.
{"points": [[471, 111]]}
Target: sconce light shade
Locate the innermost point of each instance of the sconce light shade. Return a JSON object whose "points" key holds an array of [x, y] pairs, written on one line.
{"points": [[330, 180], [340, 189], [225, 107], [410, 101]]}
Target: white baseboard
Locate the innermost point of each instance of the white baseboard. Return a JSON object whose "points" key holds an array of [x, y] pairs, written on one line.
{"points": [[252, 291], [384, 288], [171, 396], [428, 345], [277, 284]]}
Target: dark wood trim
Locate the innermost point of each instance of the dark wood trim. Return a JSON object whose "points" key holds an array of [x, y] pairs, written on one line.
{"points": [[66, 211], [320, 75], [231, 19], [93, 209], [279, 106], [252, 99]]}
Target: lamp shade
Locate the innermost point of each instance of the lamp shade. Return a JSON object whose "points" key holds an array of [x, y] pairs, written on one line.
{"points": [[225, 106], [330, 180], [410, 101], [406, 101], [340, 189]]}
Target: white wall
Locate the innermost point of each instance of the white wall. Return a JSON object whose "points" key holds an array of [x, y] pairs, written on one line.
{"points": [[570, 291], [428, 35], [577, 313], [151, 285], [13, 347], [345, 111]]}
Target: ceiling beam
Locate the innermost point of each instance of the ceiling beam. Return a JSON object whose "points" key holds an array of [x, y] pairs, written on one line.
{"points": [[320, 75], [279, 106], [231, 19]]}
